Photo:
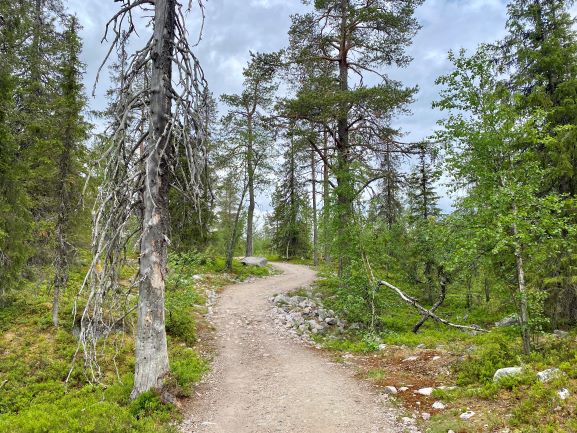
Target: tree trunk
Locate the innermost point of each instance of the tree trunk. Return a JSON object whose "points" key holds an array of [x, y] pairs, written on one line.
{"points": [[314, 194], [234, 234], [344, 192], [251, 200], [523, 301], [326, 198], [151, 348], [487, 291], [61, 261]]}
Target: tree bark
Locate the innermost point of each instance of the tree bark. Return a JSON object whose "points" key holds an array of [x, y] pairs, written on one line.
{"points": [[151, 347]]}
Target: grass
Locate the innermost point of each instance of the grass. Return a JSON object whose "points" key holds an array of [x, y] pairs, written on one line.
{"points": [[35, 358]]}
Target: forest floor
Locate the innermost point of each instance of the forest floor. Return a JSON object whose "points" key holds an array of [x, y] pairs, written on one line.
{"points": [[263, 381]]}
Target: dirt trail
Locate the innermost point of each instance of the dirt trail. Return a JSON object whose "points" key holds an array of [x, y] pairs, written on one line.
{"points": [[265, 382]]}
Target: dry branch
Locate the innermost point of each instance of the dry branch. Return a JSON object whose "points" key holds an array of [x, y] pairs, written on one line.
{"points": [[428, 313]]}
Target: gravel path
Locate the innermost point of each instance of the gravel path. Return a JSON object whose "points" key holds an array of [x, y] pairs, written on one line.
{"points": [[264, 381]]}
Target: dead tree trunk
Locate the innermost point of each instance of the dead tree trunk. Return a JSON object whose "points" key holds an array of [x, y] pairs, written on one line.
{"points": [[151, 348]]}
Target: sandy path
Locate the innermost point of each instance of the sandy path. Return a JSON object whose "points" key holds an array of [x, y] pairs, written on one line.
{"points": [[265, 382]]}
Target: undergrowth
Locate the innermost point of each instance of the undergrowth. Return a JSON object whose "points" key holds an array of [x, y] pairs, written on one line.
{"points": [[35, 358]]}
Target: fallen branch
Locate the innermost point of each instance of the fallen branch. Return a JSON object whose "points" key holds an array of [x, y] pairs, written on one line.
{"points": [[434, 307], [429, 313]]}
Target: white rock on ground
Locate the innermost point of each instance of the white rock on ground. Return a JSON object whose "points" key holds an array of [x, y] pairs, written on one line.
{"points": [[254, 261], [563, 393], [467, 415], [547, 375], [438, 405], [424, 391], [390, 390], [507, 371]]}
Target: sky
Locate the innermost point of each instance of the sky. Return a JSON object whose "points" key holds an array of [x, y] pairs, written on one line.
{"points": [[233, 28]]}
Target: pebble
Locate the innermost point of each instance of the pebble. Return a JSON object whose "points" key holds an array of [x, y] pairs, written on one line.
{"points": [[467, 415], [563, 393], [424, 391], [426, 416]]}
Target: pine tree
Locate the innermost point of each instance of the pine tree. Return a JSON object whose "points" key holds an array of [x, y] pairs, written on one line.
{"points": [[249, 135], [14, 214], [361, 38], [290, 218], [70, 153]]}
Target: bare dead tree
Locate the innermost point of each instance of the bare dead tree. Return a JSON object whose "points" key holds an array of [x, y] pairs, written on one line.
{"points": [[141, 161]]}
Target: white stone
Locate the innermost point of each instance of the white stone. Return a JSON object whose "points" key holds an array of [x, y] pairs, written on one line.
{"points": [[254, 261], [563, 393], [424, 391], [390, 390], [436, 357], [403, 388], [438, 405], [426, 416], [410, 358], [467, 415], [508, 371], [547, 375]]}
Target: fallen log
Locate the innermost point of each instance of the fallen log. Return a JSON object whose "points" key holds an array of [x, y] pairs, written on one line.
{"points": [[428, 313]]}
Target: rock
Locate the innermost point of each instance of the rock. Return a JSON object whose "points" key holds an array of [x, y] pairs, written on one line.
{"points": [[382, 346], [424, 391], [467, 415], [421, 346], [403, 388], [560, 333], [281, 299], [438, 405], [254, 261], [563, 393], [410, 359], [331, 321], [390, 389], [356, 326], [511, 320], [508, 371], [450, 431], [408, 421], [426, 416], [436, 357], [547, 375], [197, 277]]}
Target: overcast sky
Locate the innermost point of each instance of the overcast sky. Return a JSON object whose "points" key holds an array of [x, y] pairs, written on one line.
{"points": [[235, 27]]}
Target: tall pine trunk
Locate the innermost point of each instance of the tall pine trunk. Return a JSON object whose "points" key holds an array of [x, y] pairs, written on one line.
{"points": [[344, 187], [251, 199], [151, 347], [314, 199]]}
